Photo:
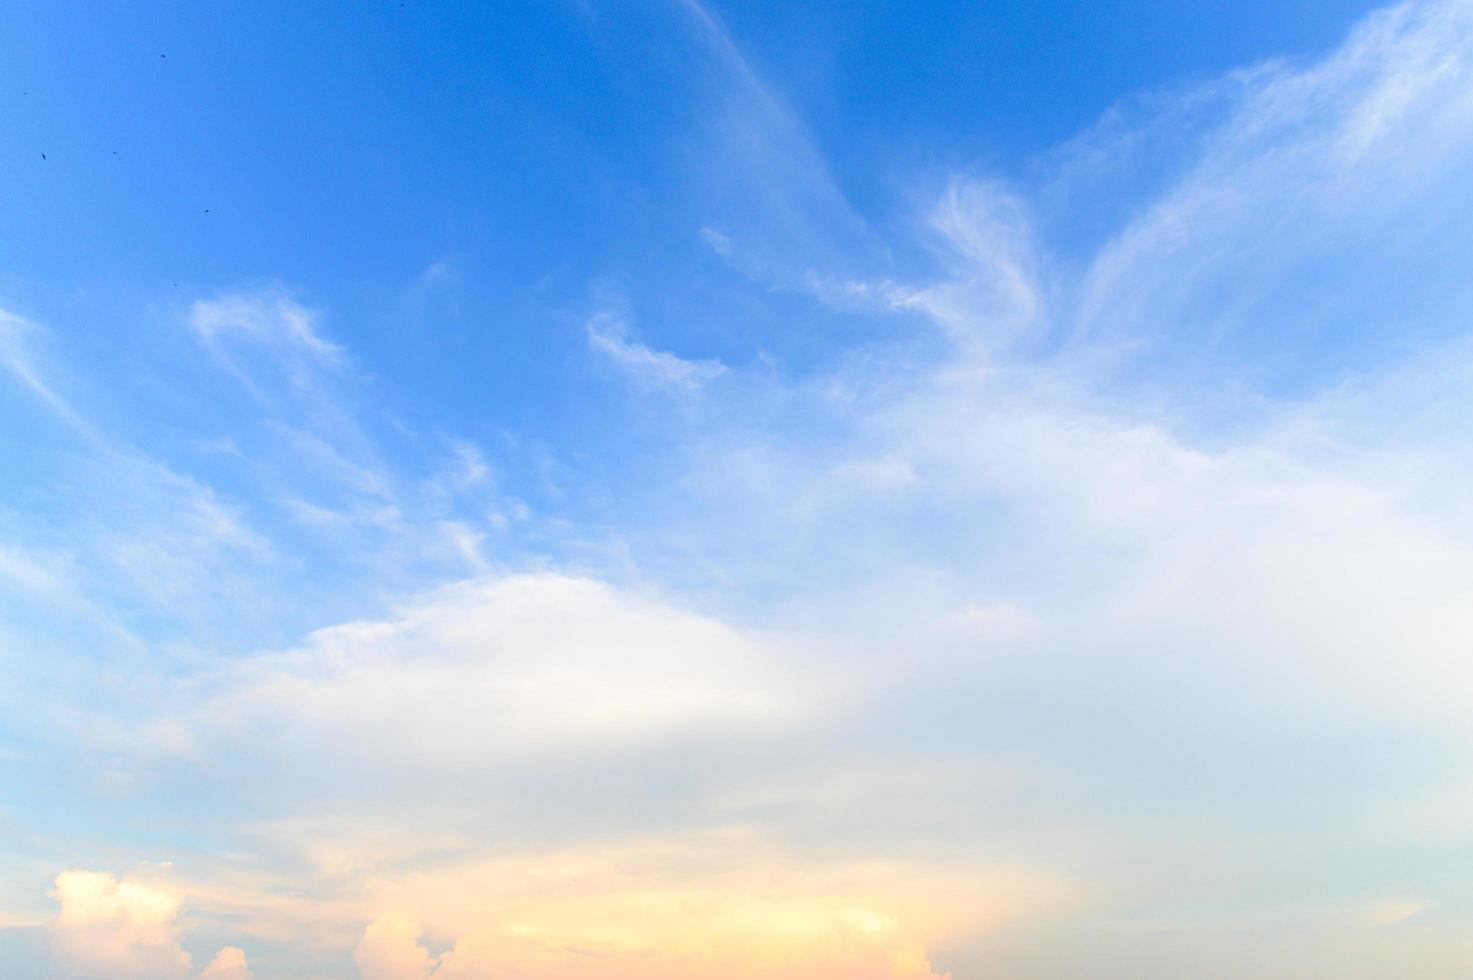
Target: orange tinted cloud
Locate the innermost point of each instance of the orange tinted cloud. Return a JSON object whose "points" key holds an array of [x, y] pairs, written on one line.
{"points": [[663, 912], [126, 929]]}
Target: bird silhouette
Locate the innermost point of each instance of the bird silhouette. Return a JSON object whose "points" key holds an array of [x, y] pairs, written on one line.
{"points": [[43, 156]]}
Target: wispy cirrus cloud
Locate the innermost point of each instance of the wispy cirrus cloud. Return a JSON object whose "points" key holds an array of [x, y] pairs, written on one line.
{"points": [[269, 319], [609, 337], [16, 337]]}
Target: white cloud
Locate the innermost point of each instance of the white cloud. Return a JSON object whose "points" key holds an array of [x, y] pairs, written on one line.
{"points": [[271, 319], [996, 294], [228, 964], [272, 346], [1346, 171], [17, 357], [494, 669], [719, 243], [35, 573], [118, 929], [608, 336], [390, 950], [122, 929]]}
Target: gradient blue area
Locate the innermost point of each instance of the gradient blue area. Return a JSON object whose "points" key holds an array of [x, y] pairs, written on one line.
{"points": [[535, 146], [546, 155]]}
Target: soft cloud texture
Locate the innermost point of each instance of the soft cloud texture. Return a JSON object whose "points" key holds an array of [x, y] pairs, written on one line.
{"points": [[495, 669], [1104, 600], [228, 964], [609, 337], [271, 320], [126, 929], [390, 950], [711, 908]]}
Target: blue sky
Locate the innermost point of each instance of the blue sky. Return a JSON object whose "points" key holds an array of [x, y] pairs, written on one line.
{"points": [[664, 490]]}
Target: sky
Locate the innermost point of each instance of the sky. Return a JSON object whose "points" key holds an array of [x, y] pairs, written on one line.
{"points": [[671, 489]]}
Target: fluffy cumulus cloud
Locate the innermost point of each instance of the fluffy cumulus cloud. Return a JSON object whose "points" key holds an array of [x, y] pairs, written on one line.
{"points": [[391, 950], [228, 964], [108, 927]]}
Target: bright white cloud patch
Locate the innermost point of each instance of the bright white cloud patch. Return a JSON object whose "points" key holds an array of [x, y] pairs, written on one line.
{"points": [[497, 669], [126, 930], [390, 950], [116, 928]]}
